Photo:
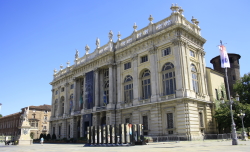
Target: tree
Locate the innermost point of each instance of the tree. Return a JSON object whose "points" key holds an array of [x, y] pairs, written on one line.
{"points": [[1, 115], [48, 136], [223, 116], [41, 135], [242, 87]]}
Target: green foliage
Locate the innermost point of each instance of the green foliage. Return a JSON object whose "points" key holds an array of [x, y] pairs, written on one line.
{"points": [[223, 115], [242, 87], [1, 115], [31, 135], [53, 136], [48, 136], [41, 135]]}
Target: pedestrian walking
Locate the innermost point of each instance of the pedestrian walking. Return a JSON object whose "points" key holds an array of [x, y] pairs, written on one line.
{"points": [[42, 140]]}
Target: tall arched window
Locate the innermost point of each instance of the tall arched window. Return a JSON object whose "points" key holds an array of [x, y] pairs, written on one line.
{"points": [[146, 85], [62, 105], [55, 107], [128, 89], [106, 93], [194, 78], [168, 79]]}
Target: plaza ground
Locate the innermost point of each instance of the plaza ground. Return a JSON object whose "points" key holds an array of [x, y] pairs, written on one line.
{"points": [[189, 146]]}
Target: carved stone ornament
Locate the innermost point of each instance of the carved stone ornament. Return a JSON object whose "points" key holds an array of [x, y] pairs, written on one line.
{"points": [[55, 71], [110, 35], [68, 63], [97, 43], [135, 27], [77, 54], [152, 50], [179, 42], [151, 19], [87, 48], [134, 57], [119, 36]]}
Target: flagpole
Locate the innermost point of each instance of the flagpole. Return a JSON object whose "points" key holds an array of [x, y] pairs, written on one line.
{"points": [[234, 134]]}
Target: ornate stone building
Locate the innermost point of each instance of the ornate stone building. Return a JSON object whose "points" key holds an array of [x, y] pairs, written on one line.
{"points": [[38, 117], [155, 77]]}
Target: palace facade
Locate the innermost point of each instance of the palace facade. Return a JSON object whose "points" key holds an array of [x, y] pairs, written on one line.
{"points": [[156, 77]]}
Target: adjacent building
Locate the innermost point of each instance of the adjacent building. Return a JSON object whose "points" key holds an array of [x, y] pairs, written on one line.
{"points": [[156, 77], [38, 117]]}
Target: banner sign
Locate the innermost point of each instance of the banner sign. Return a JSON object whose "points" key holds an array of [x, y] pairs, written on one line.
{"points": [[224, 57]]}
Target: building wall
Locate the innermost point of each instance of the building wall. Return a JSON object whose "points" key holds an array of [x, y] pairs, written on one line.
{"points": [[185, 111], [9, 124]]}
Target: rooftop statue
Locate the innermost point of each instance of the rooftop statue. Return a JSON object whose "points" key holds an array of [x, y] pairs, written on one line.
{"points": [[77, 54], [97, 43], [110, 35]]}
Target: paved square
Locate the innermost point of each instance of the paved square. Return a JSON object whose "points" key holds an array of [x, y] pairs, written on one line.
{"points": [[189, 146]]}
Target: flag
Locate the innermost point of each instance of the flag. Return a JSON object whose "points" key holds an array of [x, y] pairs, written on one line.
{"points": [[224, 57], [104, 99]]}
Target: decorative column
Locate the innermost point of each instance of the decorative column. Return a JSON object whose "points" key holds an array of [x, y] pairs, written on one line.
{"points": [[74, 97], [135, 78], [52, 102], [111, 84], [101, 87], [97, 101], [153, 73], [83, 88], [202, 65], [119, 86], [81, 126], [59, 101], [181, 73], [66, 99]]}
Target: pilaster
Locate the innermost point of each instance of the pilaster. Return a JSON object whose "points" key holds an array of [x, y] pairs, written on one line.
{"points": [[74, 96], [97, 101], [135, 78], [111, 84]]}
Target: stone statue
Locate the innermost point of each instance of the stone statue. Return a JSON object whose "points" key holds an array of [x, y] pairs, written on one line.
{"points": [[77, 54], [87, 49], [110, 35], [25, 114], [97, 43]]}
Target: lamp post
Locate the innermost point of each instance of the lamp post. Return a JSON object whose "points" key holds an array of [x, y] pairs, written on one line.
{"points": [[225, 64], [243, 133]]}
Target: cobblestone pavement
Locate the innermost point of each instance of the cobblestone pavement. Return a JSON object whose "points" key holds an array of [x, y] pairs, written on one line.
{"points": [[183, 146]]}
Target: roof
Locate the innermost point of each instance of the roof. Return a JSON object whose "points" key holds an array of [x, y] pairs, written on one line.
{"points": [[41, 107], [11, 115], [229, 54]]}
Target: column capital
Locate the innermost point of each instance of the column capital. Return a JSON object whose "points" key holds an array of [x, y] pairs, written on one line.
{"points": [[134, 57], [180, 42], [96, 70], [118, 63], [52, 90], [153, 49], [66, 84]]}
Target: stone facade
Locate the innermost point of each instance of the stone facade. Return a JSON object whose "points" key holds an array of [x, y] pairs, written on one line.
{"points": [[233, 72], [155, 77], [38, 117]]}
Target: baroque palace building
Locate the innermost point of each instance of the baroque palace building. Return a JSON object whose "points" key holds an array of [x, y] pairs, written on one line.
{"points": [[38, 117], [156, 77]]}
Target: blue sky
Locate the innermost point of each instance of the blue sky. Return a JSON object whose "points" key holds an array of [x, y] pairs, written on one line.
{"points": [[38, 36]]}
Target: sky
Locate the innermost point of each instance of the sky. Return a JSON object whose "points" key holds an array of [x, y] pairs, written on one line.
{"points": [[38, 36]]}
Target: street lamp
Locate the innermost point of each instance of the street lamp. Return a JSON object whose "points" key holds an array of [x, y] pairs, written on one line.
{"points": [[243, 133], [225, 64]]}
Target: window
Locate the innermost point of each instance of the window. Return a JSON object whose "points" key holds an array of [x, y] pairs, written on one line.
{"points": [[128, 89], [166, 52], [201, 119], [44, 127], [194, 78], [106, 87], [106, 93], [56, 91], [192, 53], [145, 124], [144, 59], [62, 89], [146, 87], [127, 65], [55, 107], [62, 105], [45, 118], [233, 77], [168, 79], [222, 94], [216, 93], [170, 121], [127, 120], [33, 116], [72, 86]]}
